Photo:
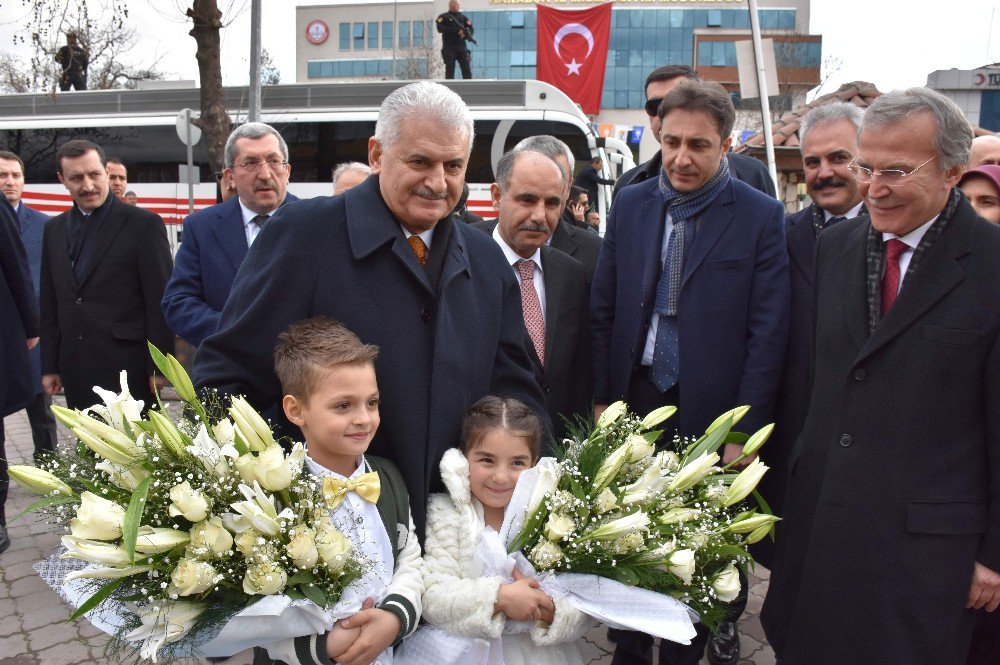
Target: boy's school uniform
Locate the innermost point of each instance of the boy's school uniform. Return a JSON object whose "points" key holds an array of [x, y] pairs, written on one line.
{"points": [[459, 600], [383, 535]]}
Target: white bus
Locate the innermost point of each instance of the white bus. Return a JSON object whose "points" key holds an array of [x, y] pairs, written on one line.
{"points": [[324, 124]]}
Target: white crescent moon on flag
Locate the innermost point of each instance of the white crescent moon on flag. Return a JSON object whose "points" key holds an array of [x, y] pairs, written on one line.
{"points": [[574, 29]]}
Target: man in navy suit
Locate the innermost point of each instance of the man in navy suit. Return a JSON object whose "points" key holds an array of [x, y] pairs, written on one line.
{"points": [[32, 227], [215, 240], [829, 139], [690, 300], [388, 260]]}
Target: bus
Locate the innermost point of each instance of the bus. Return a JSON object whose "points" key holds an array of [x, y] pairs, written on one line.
{"points": [[324, 124]]}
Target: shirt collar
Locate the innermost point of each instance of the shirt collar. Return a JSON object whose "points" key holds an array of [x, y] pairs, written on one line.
{"points": [[318, 470], [850, 214], [913, 238], [512, 256], [249, 214], [426, 236]]}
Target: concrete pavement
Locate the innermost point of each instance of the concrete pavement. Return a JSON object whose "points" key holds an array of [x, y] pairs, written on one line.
{"points": [[33, 628]]}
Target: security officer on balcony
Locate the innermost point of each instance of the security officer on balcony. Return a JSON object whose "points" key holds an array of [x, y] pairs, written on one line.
{"points": [[455, 29]]}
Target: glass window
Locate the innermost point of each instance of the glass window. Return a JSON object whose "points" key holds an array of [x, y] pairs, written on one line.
{"points": [[715, 18], [676, 18], [517, 58], [387, 34], [621, 99], [373, 35], [517, 19], [489, 21], [531, 59], [404, 34], [345, 36], [418, 34], [359, 36]]}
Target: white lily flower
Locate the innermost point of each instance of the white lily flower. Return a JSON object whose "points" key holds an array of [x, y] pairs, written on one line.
{"points": [[657, 416], [605, 502], [95, 552], [125, 477], [180, 380], [37, 480], [754, 443], [97, 518], [225, 434], [611, 466], [253, 429], [693, 471], [120, 407], [679, 515], [733, 414], [752, 523], [258, 511], [68, 417], [745, 483], [546, 474], [651, 482], [207, 450], [163, 623], [107, 573], [639, 448], [156, 540], [168, 434], [611, 414], [727, 584], [637, 521]]}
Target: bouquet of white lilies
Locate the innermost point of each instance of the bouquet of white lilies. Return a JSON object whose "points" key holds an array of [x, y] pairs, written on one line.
{"points": [[622, 519], [184, 523]]}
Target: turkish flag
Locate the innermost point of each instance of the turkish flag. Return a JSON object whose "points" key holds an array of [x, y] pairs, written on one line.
{"points": [[573, 51]]}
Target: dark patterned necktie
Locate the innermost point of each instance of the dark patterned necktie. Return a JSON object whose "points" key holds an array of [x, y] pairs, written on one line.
{"points": [[532, 306]]}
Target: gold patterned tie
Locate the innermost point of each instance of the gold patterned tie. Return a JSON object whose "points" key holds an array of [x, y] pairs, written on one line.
{"points": [[419, 248], [366, 485]]}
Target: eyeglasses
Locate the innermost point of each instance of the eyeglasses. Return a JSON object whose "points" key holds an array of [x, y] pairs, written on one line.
{"points": [[891, 177], [253, 165], [653, 105]]}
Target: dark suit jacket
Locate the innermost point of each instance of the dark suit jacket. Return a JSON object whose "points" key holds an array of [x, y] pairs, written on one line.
{"points": [[732, 310], [751, 171], [32, 228], [94, 328], [18, 316], [213, 246], [895, 480], [590, 180], [346, 257]]}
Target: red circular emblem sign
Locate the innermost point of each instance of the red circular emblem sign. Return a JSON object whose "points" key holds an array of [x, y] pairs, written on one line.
{"points": [[317, 31]]}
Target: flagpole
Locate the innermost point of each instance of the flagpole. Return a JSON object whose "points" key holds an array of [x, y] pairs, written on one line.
{"points": [[765, 106]]}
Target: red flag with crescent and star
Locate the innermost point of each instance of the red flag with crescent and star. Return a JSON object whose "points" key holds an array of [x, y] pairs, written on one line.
{"points": [[573, 51]]}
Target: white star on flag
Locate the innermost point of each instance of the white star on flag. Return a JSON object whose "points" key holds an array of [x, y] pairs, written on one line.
{"points": [[573, 67]]}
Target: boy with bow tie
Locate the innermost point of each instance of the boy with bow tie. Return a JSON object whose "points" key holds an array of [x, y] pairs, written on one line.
{"points": [[328, 377]]}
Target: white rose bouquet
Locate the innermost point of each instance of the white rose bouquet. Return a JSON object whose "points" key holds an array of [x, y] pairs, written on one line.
{"points": [[187, 520], [672, 522]]}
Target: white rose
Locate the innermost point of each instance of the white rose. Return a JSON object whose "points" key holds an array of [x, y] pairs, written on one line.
{"points": [[246, 466], [302, 547], [629, 542], [193, 577], [248, 542], [210, 539], [265, 579], [97, 518], [681, 564], [188, 502], [727, 584], [559, 527], [275, 471], [546, 554], [333, 548]]}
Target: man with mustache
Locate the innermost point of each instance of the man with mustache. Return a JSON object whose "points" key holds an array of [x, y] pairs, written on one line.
{"points": [[104, 267], [215, 240], [388, 260], [689, 304], [828, 137], [528, 196], [891, 531]]}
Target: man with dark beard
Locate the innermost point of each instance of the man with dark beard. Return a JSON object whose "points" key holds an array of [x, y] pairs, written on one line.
{"points": [[829, 139]]}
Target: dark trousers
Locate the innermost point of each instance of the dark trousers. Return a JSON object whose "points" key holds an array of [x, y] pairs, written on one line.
{"points": [[636, 648], [76, 80], [43, 423], [452, 53]]}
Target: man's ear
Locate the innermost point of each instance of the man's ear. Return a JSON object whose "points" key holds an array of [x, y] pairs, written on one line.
{"points": [[375, 154], [495, 196], [293, 410]]}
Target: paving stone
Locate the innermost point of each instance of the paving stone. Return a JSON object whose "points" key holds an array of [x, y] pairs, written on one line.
{"points": [[10, 624], [71, 651], [13, 645]]}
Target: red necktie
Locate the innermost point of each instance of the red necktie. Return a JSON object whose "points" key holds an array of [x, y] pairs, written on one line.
{"points": [[532, 306], [894, 248], [419, 248]]}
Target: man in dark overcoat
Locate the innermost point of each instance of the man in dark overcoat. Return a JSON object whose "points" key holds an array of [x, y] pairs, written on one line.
{"points": [[892, 524], [104, 267], [388, 260]]}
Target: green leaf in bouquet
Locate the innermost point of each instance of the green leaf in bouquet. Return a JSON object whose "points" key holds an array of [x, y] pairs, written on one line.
{"points": [[764, 506], [295, 594], [532, 529], [627, 576], [715, 479], [239, 444], [314, 593], [301, 577], [652, 436], [102, 594], [45, 502], [159, 360], [711, 441], [736, 437], [133, 517]]}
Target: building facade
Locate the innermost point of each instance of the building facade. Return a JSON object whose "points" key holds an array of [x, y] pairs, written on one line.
{"points": [[976, 91], [385, 39]]}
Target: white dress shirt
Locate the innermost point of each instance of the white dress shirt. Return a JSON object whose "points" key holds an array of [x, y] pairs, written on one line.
{"points": [[647, 351], [513, 257], [911, 240], [249, 226]]}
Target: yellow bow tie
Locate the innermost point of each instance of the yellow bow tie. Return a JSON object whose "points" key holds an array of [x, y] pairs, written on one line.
{"points": [[366, 485]]}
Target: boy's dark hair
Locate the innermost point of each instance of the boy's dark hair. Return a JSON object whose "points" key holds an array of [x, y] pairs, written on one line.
{"points": [[492, 412], [670, 72], [78, 148], [707, 97], [575, 193], [315, 344]]}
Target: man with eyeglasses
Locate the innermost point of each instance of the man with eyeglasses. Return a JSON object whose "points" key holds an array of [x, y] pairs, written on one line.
{"points": [[659, 82], [892, 519], [215, 240], [828, 136]]}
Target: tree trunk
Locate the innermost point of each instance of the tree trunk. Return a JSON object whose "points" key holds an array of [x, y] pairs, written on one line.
{"points": [[214, 121]]}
